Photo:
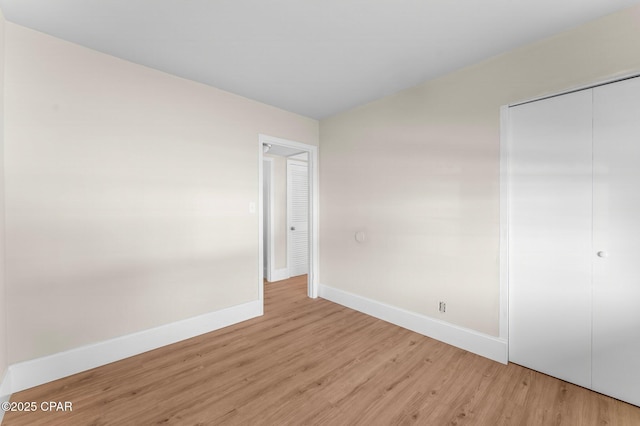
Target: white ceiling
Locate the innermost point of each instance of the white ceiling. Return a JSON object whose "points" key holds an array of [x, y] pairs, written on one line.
{"points": [[312, 57]]}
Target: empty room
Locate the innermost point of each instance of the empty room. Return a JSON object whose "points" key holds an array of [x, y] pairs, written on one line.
{"points": [[331, 212]]}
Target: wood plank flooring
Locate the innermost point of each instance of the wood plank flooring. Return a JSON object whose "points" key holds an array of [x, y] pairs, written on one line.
{"points": [[314, 362]]}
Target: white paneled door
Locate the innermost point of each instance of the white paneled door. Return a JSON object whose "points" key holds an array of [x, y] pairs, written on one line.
{"points": [[574, 237], [298, 217], [550, 225], [616, 296]]}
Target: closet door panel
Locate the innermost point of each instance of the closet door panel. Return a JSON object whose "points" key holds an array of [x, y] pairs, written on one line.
{"points": [[616, 301], [550, 228]]}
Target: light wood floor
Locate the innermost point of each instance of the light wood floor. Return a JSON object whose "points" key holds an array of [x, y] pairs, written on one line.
{"points": [[314, 362]]}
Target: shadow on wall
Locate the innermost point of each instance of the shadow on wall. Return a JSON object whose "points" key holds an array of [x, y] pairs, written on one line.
{"points": [[76, 308]]}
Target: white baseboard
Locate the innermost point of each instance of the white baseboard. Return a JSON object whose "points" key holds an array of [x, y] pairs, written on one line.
{"points": [[5, 385], [481, 344], [38, 371], [5, 390], [280, 274]]}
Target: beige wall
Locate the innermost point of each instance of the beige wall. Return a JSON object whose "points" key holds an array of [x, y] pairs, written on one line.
{"points": [[419, 173], [3, 305], [127, 195]]}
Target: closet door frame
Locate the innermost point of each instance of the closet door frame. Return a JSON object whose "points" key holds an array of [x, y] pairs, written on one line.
{"points": [[505, 143]]}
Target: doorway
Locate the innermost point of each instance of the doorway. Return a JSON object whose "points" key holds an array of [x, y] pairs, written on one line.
{"points": [[271, 151]]}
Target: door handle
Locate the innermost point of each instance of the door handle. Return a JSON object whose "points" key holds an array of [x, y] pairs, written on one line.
{"points": [[603, 254], [293, 228]]}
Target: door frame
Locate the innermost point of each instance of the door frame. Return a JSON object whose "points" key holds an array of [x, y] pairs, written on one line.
{"points": [[267, 234], [314, 212], [505, 175]]}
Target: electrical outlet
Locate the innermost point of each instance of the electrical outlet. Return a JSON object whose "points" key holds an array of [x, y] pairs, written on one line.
{"points": [[442, 307]]}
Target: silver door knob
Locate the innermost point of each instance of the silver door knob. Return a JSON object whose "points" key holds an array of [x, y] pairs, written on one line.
{"points": [[603, 254]]}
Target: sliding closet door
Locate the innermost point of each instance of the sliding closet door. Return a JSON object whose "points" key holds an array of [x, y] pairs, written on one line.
{"points": [[616, 301], [550, 228]]}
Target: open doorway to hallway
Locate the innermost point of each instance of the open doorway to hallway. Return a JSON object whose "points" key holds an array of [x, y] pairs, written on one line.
{"points": [[286, 214], [288, 209]]}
